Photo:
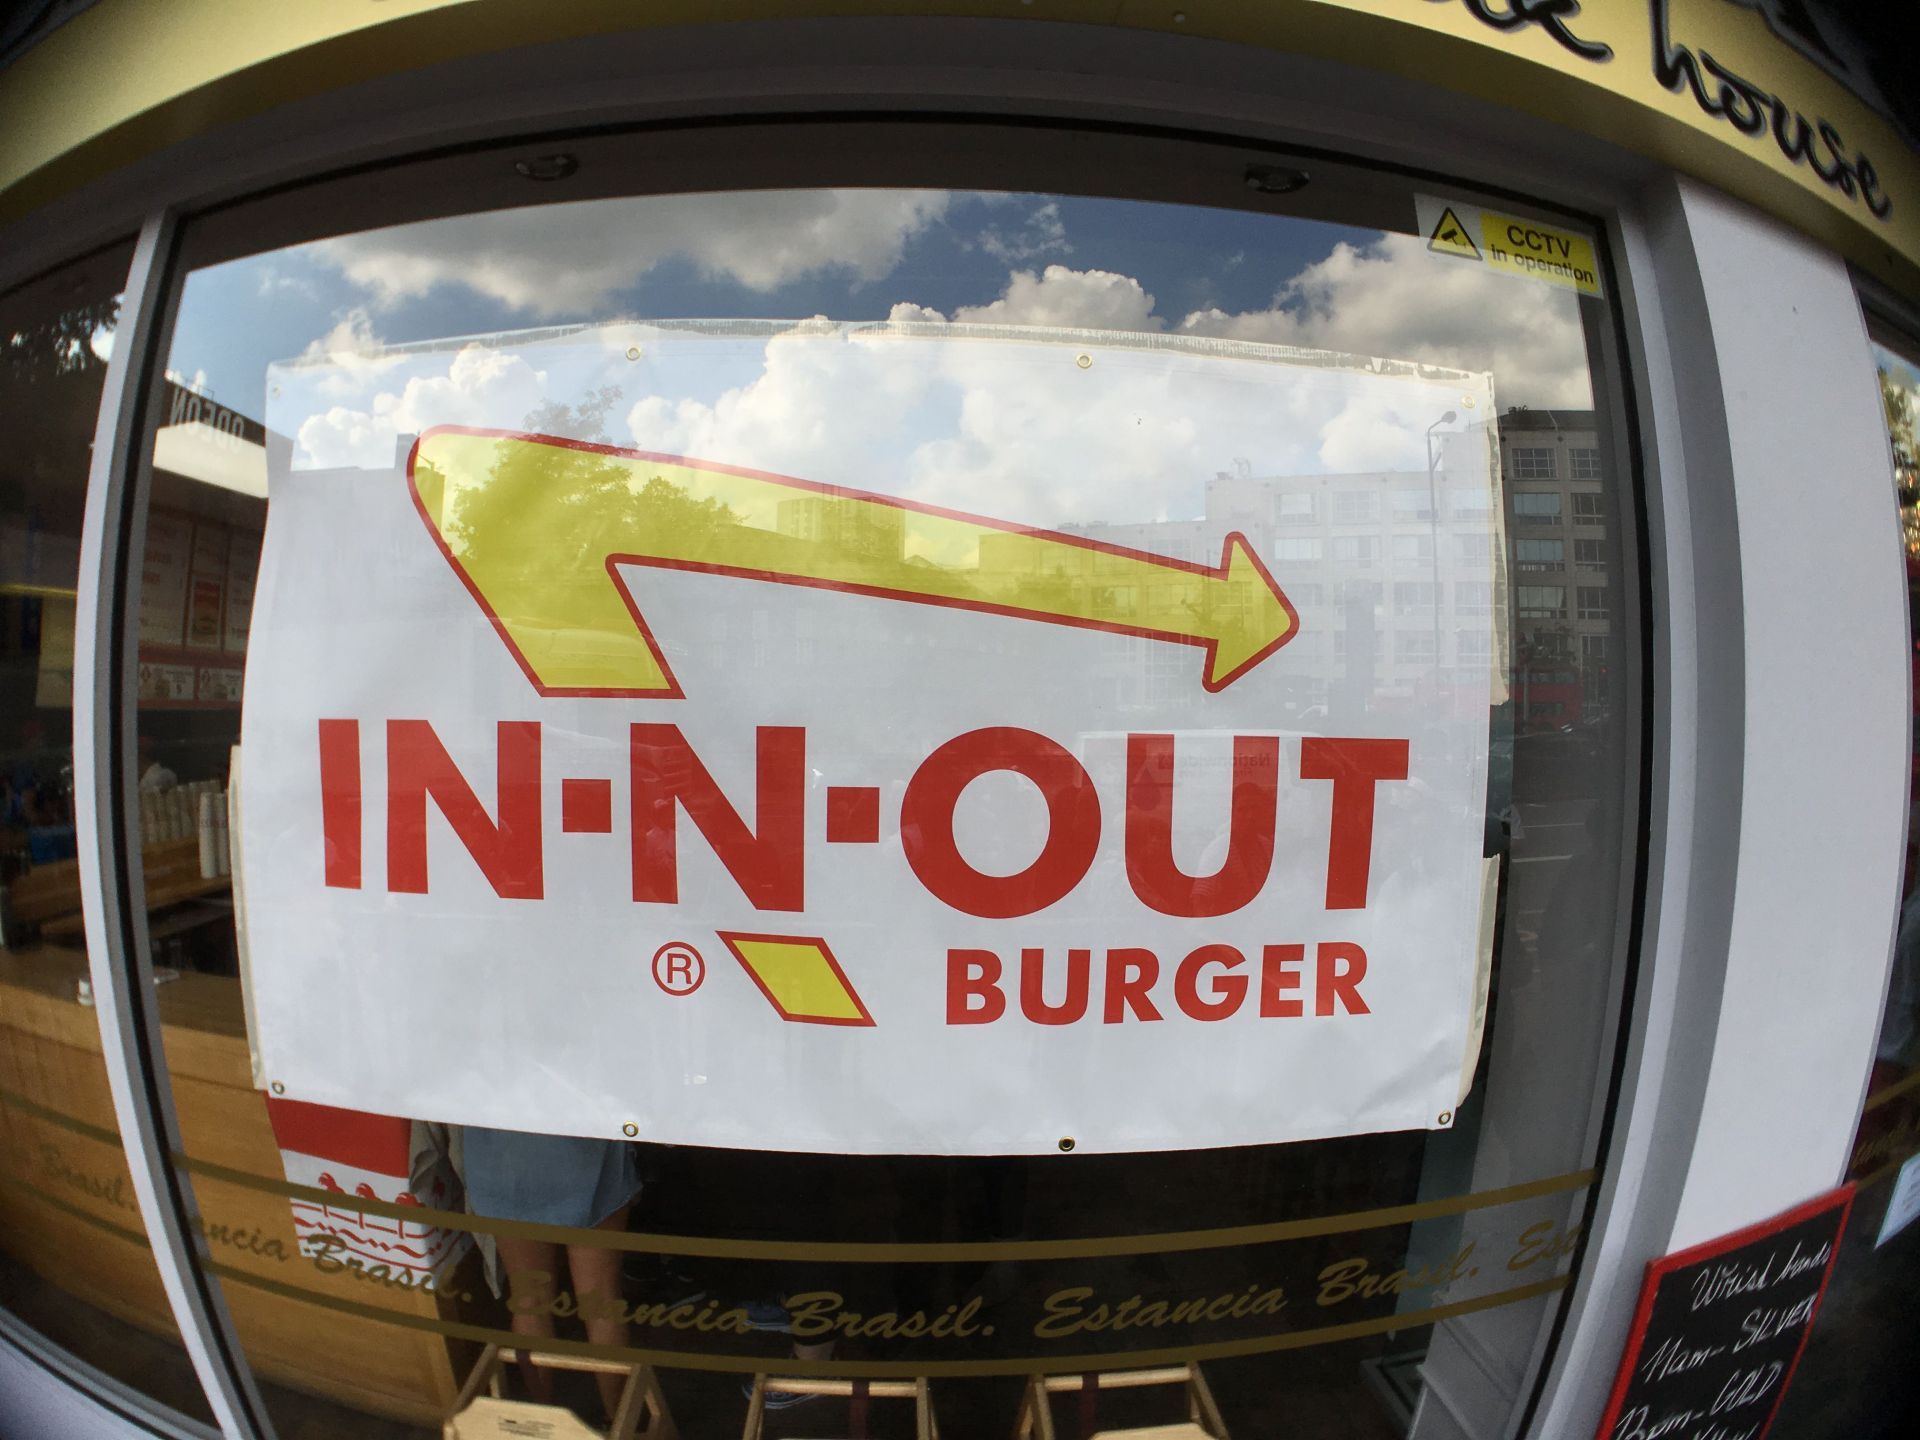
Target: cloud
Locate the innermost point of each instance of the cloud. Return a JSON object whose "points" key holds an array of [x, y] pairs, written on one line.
{"points": [[1038, 439], [482, 386], [353, 353], [1369, 434], [795, 416], [1043, 233], [554, 260], [338, 438], [275, 281], [978, 424], [827, 402], [1058, 297], [1393, 299], [1020, 430]]}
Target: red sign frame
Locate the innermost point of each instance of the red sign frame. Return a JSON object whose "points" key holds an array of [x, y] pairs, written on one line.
{"points": [[1840, 1198]]}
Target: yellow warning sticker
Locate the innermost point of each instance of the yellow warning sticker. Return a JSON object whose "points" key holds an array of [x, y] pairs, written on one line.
{"points": [[1508, 243], [1450, 237]]}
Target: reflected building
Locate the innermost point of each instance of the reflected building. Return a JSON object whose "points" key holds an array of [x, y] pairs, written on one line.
{"points": [[1389, 570], [1564, 572], [871, 532]]}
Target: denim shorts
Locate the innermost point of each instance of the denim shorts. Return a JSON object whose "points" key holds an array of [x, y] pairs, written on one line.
{"points": [[547, 1179]]}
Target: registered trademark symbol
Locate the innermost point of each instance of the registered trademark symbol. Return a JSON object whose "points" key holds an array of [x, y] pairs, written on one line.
{"points": [[678, 968]]}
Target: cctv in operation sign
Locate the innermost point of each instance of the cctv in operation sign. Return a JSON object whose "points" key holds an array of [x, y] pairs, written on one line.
{"points": [[882, 738]]}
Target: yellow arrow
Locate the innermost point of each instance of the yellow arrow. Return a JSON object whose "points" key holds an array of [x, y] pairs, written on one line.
{"points": [[538, 527]]}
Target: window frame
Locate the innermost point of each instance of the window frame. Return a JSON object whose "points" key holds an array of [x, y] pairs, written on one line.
{"points": [[116, 490]]}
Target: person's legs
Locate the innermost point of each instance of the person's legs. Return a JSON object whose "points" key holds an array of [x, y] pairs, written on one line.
{"points": [[527, 1268], [596, 1288]]}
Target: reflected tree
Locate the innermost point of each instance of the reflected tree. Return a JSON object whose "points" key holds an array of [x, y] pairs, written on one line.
{"points": [[1896, 403], [47, 406]]}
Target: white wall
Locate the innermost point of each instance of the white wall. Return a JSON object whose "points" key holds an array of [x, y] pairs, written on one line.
{"points": [[1781, 756]]}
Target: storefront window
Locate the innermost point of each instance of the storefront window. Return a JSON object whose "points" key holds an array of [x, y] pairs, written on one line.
{"points": [[805, 849], [1857, 1372], [74, 1259]]}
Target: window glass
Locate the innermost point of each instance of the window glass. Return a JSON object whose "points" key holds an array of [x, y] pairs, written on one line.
{"points": [[74, 1261], [1536, 504], [1414, 645], [1412, 505], [1583, 463], [1532, 463], [1541, 602], [1409, 595], [1351, 507], [1539, 554], [1856, 1372], [956, 497]]}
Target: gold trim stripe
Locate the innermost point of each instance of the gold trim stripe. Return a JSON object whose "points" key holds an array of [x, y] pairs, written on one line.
{"points": [[1891, 1092], [888, 1369], [1097, 1247], [1873, 1178], [54, 1117], [34, 1192]]}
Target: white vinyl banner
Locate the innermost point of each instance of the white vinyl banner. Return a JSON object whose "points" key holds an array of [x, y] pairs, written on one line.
{"points": [[906, 737]]}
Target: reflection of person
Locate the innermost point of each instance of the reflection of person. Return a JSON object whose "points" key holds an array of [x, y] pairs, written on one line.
{"points": [[555, 1180], [153, 774], [21, 799]]}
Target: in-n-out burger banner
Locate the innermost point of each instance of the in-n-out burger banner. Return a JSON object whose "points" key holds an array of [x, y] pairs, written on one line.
{"points": [[1038, 739]]}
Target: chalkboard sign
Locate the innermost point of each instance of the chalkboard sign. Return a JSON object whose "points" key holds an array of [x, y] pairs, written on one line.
{"points": [[1721, 1326]]}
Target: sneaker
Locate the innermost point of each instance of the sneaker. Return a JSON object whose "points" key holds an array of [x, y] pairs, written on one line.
{"points": [[777, 1399], [768, 1315]]}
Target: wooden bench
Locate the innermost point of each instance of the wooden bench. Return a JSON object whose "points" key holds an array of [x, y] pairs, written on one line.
{"points": [[1203, 1420], [48, 896], [855, 1392]]}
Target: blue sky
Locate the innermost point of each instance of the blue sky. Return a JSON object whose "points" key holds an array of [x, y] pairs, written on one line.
{"points": [[793, 255]]}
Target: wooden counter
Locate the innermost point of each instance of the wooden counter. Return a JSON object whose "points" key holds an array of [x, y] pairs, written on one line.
{"points": [[67, 1207]]}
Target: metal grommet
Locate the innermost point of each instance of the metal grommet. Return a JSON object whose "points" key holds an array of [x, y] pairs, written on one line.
{"points": [[633, 352], [1083, 361], [1446, 1117], [1066, 1142], [630, 1129], [278, 1088]]}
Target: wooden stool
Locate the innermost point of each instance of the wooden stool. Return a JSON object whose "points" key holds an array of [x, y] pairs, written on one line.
{"points": [[485, 1417], [855, 1392], [1203, 1420]]}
